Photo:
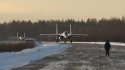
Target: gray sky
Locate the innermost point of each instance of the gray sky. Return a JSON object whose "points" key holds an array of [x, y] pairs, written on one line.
{"points": [[60, 9]]}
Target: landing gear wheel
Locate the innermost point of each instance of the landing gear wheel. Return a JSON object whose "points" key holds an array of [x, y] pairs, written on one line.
{"points": [[71, 41], [57, 41], [65, 41]]}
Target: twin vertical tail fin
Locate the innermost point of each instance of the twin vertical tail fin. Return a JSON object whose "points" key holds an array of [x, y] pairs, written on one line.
{"points": [[24, 35], [70, 29], [57, 32], [56, 28], [17, 35]]}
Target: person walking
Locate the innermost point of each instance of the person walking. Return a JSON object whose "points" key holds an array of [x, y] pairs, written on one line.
{"points": [[107, 48]]}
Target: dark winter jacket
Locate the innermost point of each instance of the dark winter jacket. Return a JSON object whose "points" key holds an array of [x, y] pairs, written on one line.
{"points": [[107, 45]]}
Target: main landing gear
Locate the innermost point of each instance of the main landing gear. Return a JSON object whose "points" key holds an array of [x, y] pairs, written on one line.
{"points": [[70, 41], [57, 40]]}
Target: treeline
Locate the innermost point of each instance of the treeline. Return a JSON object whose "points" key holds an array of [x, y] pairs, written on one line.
{"points": [[112, 29]]}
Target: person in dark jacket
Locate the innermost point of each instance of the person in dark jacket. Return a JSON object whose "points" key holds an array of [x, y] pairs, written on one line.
{"points": [[107, 48]]}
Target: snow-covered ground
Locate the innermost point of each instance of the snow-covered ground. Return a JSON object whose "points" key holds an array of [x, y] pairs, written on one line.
{"points": [[112, 43], [90, 56], [11, 60]]}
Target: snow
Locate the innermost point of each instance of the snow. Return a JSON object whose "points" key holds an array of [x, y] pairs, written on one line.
{"points": [[56, 65], [112, 43], [61, 65], [85, 67], [11, 60], [111, 63]]}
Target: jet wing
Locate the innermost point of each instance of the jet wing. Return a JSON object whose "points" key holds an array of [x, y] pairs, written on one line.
{"points": [[78, 35], [13, 37], [50, 34]]}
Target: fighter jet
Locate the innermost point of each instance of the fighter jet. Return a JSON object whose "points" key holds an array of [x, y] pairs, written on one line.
{"points": [[18, 37], [64, 35]]}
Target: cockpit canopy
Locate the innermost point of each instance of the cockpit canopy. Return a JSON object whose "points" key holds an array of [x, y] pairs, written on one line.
{"points": [[66, 33]]}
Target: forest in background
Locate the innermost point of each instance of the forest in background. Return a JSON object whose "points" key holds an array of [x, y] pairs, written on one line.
{"points": [[112, 29]]}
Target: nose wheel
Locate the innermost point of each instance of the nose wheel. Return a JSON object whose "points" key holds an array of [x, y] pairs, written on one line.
{"points": [[65, 40]]}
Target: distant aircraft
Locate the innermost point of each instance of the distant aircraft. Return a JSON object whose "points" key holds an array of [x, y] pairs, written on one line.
{"points": [[65, 35], [18, 37], [24, 38]]}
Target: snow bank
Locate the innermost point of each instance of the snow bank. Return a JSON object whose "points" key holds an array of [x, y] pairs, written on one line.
{"points": [[16, 59]]}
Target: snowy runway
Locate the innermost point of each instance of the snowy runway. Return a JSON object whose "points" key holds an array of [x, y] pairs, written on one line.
{"points": [[76, 56], [83, 56]]}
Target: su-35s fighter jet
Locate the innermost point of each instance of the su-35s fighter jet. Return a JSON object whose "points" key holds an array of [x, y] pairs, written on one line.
{"points": [[65, 35]]}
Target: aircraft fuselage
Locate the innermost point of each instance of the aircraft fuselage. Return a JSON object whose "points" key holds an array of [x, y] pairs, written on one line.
{"points": [[65, 35]]}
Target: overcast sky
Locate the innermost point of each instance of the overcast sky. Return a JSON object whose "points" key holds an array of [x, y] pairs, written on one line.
{"points": [[60, 9]]}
